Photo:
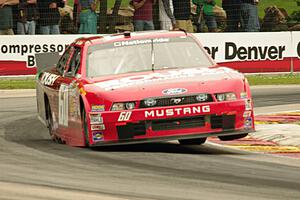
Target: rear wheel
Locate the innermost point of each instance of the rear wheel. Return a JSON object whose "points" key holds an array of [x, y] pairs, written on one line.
{"points": [[197, 141], [232, 137], [85, 127]]}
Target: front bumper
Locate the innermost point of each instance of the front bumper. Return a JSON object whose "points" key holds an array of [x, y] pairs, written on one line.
{"points": [[169, 138], [174, 122]]}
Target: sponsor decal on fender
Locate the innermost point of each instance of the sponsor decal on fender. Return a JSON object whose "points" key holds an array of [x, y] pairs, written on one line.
{"points": [[48, 78], [96, 127], [97, 136], [177, 111], [248, 104], [248, 123], [98, 108], [63, 105], [74, 108]]}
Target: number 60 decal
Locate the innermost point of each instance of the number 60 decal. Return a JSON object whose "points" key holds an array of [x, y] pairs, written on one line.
{"points": [[124, 116]]}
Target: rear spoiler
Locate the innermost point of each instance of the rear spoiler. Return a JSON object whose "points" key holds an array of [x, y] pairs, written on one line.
{"points": [[46, 60]]}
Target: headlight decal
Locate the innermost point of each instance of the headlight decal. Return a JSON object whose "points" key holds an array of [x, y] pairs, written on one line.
{"points": [[227, 96], [130, 105], [123, 106], [118, 106]]}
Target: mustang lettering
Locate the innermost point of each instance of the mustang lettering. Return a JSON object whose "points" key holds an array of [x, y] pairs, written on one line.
{"points": [[177, 111]]}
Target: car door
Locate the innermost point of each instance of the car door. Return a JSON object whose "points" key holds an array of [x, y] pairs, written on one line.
{"points": [[69, 119]]}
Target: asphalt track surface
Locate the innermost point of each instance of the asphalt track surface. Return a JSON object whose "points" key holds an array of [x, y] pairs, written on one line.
{"points": [[33, 167]]}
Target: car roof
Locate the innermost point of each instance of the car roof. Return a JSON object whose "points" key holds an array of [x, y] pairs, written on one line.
{"points": [[128, 36]]}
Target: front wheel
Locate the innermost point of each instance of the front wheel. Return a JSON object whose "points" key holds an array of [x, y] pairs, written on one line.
{"points": [[197, 141], [85, 127]]}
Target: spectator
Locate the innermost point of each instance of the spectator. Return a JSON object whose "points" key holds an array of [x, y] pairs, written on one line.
{"points": [[233, 11], [166, 17], [6, 17], [76, 13], [27, 16], [88, 17], [208, 13], [143, 18], [49, 16], [182, 12], [249, 16]]}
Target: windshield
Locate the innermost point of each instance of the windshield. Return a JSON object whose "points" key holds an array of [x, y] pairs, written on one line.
{"points": [[143, 55]]}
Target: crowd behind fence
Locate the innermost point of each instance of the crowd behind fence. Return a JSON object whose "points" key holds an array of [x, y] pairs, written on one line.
{"points": [[92, 16]]}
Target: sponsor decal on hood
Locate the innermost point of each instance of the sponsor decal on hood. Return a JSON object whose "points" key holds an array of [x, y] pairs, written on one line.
{"points": [[156, 77]]}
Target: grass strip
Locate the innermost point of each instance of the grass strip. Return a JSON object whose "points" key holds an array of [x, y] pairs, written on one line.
{"points": [[282, 79], [17, 84]]}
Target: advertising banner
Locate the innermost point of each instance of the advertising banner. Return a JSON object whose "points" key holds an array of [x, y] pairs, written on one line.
{"points": [[246, 52], [296, 51], [250, 52], [17, 52]]}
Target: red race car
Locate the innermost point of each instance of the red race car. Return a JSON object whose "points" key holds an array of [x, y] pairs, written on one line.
{"points": [[142, 87]]}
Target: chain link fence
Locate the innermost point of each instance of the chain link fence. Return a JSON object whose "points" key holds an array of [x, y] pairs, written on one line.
{"points": [[110, 16]]}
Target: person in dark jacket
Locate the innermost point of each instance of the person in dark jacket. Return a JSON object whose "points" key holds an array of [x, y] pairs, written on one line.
{"points": [[182, 13], [27, 17], [49, 16], [233, 11]]}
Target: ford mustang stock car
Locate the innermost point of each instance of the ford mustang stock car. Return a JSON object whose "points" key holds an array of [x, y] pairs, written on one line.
{"points": [[142, 87]]}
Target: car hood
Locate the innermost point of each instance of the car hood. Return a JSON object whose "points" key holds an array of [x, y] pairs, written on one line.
{"points": [[168, 82]]}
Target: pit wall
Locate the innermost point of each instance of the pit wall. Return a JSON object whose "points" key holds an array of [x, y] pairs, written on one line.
{"points": [[262, 52]]}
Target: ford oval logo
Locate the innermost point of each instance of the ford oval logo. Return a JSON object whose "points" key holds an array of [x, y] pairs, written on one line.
{"points": [[173, 91]]}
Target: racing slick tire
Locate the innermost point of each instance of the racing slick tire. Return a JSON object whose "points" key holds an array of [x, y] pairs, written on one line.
{"points": [[85, 127], [232, 137], [50, 123], [197, 141]]}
